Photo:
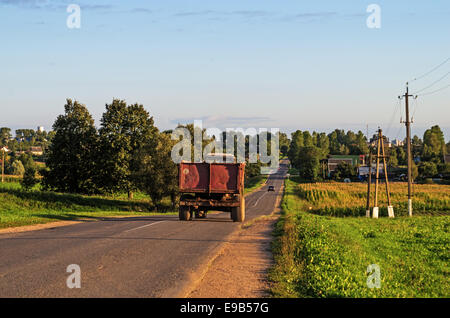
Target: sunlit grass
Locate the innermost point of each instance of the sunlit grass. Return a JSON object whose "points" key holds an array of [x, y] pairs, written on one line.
{"points": [[325, 256], [19, 207]]}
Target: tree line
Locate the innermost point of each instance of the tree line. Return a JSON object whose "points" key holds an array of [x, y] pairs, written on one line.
{"points": [[24, 139], [306, 152]]}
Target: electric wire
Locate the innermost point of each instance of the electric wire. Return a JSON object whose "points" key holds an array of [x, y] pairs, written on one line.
{"points": [[436, 91], [429, 72], [432, 84], [393, 116]]}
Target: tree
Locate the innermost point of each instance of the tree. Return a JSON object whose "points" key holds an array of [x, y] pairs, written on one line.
{"points": [[444, 168], [393, 160], [308, 163], [361, 146], [27, 160], [428, 169], [17, 168], [344, 170], [323, 143], [125, 131], [434, 144], [401, 156], [29, 179], [72, 155], [5, 136], [337, 142], [158, 173], [283, 143], [295, 146], [414, 171], [308, 140]]}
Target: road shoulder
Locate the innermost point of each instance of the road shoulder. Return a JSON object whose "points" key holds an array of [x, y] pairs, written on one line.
{"points": [[240, 268]]}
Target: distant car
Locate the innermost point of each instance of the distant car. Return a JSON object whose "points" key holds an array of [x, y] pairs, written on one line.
{"points": [[270, 188]]}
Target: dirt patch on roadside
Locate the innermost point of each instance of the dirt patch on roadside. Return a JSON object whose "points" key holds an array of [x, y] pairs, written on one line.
{"points": [[240, 269]]}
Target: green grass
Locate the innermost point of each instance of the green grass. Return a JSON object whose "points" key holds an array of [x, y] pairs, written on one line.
{"points": [[254, 183], [324, 256], [19, 207]]}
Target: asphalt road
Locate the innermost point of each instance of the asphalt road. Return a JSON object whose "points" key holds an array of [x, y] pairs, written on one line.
{"points": [[157, 256]]}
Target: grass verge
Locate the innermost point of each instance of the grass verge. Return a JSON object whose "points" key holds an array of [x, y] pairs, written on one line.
{"points": [[19, 207], [254, 183], [324, 256]]}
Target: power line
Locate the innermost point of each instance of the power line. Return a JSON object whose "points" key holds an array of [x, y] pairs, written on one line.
{"points": [[429, 72], [416, 105], [436, 91], [434, 83], [398, 105]]}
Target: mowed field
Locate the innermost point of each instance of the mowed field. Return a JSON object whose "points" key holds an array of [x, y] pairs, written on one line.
{"points": [[324, 244]]}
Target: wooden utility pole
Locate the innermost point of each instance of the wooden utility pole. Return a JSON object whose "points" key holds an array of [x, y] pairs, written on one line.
{"points": [[381, 155], [369, 182], [375, 205], [408, 149], [386, 178]]}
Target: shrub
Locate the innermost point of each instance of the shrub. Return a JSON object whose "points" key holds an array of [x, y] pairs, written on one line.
{"points": [[29, 178], [17, 168]]}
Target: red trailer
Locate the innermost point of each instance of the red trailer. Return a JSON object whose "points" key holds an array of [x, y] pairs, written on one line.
{"points": [[211, 186]]}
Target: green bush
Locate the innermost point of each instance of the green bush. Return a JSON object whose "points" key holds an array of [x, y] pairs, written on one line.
{"points": [[29, 178]]}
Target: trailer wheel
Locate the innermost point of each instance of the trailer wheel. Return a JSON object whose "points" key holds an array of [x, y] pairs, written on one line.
{"points": [[241, 216], [238, 213], [234, 213], [184, 213]]}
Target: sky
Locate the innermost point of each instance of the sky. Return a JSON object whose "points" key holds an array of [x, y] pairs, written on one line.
{"points": [[308, 65]]}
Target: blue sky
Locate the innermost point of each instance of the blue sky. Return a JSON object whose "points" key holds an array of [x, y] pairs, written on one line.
{"points": [[238, 63]]}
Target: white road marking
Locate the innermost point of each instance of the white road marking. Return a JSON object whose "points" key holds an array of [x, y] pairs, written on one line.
{"points": [[259, 199], [140, 227]]}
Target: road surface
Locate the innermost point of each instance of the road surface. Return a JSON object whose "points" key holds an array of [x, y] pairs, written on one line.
{"points": [[155, 256]]}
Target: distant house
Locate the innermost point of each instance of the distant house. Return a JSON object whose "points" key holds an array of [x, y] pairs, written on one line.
{"points": [[37, 151], [398, 143], [335, 160], [363, 171]]}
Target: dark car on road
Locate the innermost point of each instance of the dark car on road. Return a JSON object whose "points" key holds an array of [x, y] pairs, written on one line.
{"points": [[270, 188]]}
